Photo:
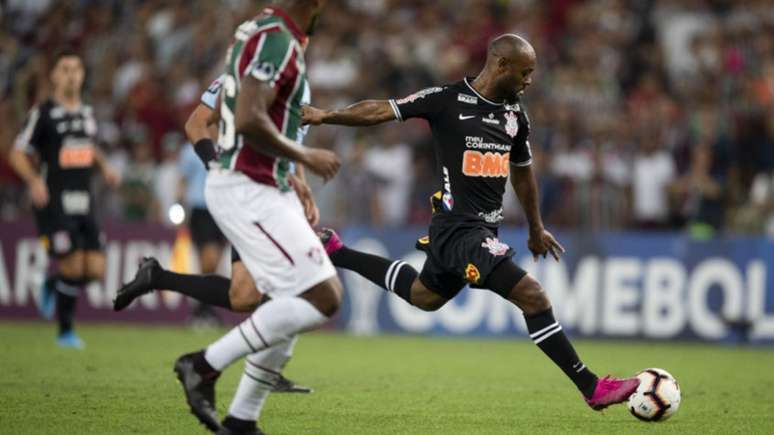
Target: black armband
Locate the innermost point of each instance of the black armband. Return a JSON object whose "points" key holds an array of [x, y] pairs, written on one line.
{"points": [[205, 149]]}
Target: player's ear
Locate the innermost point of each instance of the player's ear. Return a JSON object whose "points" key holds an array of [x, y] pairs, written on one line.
{"points": [[502, 63]]}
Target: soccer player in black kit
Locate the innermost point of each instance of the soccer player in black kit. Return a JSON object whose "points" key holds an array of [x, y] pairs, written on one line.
{"points": [[480, 130], [61, 132]]}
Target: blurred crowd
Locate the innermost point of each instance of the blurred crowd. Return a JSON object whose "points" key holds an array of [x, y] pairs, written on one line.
{"points": [[646, 114]]}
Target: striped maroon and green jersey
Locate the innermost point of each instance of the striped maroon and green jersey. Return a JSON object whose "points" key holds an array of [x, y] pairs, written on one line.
{"points": [[267, 50]]}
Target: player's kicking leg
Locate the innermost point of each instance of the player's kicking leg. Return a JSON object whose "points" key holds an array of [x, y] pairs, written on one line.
{"points": [[525, 292], [238, 294], [509, 281]]}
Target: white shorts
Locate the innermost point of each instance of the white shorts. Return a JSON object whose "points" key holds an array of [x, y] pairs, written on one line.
{"points": [[270, 232]]}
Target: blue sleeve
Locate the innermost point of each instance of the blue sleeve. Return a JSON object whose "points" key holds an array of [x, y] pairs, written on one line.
{"points": [[210, 96]]}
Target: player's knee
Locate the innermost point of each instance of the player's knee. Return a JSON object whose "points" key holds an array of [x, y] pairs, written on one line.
{"points": [[209, 256], [424, 299], [243, 296], [94, 267], [530, 296], [72, 266], [326, 296]]}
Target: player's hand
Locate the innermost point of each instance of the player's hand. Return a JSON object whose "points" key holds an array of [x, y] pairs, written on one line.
{"points": [[322, 162], [307, 200], [312, 115], [38, 192], [112, 177], [542, 243]]}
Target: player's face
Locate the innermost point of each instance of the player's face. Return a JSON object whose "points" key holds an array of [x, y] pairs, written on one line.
{"points": [[68, 74], [517, 76]]}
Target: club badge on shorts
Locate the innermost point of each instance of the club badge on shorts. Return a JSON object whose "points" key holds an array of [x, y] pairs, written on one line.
{"points": [[495, 246]]}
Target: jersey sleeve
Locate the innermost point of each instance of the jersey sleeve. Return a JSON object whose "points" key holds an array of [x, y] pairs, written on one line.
{"points": [[210, 96], [272, 57], [28, 139], [521, 153], [424, 104]]}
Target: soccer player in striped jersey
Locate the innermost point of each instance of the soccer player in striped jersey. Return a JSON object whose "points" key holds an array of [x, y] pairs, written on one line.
{"points": [[250, 196], [481, 130], [238, 294]]}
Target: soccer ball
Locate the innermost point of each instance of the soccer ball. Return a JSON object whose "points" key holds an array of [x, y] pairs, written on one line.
{"points": [[658, 396]]}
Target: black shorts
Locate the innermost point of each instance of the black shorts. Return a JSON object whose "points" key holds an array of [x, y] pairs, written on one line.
{"points": [[204, 230], [64, 234], [460, 253]]}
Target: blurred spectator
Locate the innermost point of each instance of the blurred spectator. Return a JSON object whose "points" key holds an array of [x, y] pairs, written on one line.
{"points": [[624, 91], [137, 188], [652, 176], [167, 178]]}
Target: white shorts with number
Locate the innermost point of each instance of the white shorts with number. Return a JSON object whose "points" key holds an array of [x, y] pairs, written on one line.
{"points": [[269, 230]]}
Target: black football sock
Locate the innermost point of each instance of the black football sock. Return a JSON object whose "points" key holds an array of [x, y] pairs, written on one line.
{"points": [[546, 332], [392, 275], [208, 289], [66, 299]]}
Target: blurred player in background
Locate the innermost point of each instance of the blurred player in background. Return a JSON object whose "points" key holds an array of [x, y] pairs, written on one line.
{"points": [[207, 237], [61, 133], [249, 192], [480, 130]]}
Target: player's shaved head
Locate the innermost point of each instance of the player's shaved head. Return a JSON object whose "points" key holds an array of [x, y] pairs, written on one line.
{"points": [[511, 47], [509, 65]]}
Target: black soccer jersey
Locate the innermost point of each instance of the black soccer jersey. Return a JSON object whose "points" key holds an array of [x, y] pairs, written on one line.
{"points": [[65, 142], [476, 142]]}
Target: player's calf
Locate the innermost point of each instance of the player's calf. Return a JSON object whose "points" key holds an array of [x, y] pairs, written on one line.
{"points": [[325, 296], [529, 296]]}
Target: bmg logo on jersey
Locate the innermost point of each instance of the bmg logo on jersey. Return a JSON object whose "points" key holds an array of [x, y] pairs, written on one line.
{"points": [[489, 164]]}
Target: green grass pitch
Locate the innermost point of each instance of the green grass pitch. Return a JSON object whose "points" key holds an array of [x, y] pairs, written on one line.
{"points": [[123, 384]]}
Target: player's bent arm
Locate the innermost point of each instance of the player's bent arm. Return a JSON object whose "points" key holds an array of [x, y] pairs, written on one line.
{"points": [[525, 186], [20, 162], [196, 127], [251, 119], [108, 173], [363, 113]]}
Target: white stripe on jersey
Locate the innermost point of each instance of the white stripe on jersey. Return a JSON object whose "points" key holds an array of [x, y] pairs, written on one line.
{"points": [[23, 139]]}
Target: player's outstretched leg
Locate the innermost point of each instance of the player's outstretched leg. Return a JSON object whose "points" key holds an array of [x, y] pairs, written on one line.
{"points": [[273, 322], [526, 293], [395, 276], [209, 289]]}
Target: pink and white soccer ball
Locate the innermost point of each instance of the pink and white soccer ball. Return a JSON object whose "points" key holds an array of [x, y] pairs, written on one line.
{"points": [[658, 396]]}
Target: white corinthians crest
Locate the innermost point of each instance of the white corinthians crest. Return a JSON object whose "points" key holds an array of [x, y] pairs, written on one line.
{"points": [[512, 124]]}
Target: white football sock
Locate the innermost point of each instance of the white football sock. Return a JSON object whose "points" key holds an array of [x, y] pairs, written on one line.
{"points": [[262, 370], [275, 321]]}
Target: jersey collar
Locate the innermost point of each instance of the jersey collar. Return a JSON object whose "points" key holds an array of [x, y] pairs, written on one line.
{"points": [[292, 26], [467, 82]]}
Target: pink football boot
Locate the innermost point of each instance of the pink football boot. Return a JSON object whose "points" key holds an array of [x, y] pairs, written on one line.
{"points": [[330, 240], [610, 391]]}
